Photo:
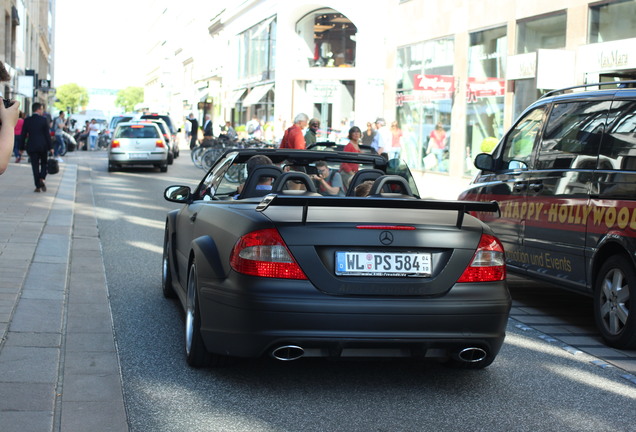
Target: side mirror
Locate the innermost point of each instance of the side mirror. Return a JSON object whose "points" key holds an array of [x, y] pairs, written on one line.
{"points": [[178, 194], [484, 162]]}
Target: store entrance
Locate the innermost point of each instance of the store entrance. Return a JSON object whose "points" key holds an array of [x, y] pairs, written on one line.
{"points": [[623, 75]]}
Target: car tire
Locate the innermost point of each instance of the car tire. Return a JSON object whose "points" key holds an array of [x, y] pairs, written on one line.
{"points": [[111, 167], [196, 353], [166, 274], [170, 158], [614, 289], [163, 168]]}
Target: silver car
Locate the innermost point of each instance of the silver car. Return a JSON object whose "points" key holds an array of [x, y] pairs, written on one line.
{"points": [[137, 143]]}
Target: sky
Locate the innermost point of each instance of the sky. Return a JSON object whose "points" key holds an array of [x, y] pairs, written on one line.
{"points": [[97, 43]]}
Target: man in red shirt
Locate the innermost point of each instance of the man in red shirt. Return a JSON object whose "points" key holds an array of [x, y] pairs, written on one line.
{"points": [[294, 137]]}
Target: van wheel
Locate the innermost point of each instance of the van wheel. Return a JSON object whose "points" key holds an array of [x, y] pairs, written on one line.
{"points": [[614, 290]]}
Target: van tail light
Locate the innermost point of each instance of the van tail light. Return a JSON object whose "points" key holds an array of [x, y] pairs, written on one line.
{"points": [[263, 253], [114, 144], [488, 263], [160, 144]]}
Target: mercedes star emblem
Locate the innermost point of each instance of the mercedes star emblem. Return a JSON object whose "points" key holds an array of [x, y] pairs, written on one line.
{"points": [[386, 238]]}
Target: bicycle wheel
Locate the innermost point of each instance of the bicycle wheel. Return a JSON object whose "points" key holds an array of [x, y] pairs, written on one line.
{"points": [[196, 154], [209, 157]]}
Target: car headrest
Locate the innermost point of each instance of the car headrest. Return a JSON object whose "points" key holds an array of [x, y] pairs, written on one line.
{"points": [[294, 181], [391, 186], [256, 177]]}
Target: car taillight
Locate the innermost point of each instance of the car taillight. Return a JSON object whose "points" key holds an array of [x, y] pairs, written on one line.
{"points": [[264, 253], [488, 263], [160, 144], [114, 144]]}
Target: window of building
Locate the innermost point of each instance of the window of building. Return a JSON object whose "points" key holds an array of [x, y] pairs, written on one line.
{"points": [[485, 91], [612, 21], [257, 48], [330, 38], [547, 32], [425, 90]]}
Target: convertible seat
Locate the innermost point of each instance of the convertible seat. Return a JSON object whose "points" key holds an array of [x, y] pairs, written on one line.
{"points": [[391, 186], [259, 175], [362, 176], [295, 183]]}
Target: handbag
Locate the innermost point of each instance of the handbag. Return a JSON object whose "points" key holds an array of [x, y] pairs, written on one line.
{"points": [[53, 166]]}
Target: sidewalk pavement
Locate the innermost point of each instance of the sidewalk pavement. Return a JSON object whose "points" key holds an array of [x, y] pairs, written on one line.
{"points": [[59, 369]]}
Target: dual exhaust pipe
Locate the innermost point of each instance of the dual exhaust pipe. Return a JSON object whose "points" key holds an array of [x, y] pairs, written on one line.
{"points": [[294, 352]]}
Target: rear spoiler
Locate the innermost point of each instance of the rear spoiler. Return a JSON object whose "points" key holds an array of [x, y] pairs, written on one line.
{"points": [[461, 207]]}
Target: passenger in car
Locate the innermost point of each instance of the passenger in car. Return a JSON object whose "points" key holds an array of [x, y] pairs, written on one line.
{"points": [[364, 188], [266, 182]]}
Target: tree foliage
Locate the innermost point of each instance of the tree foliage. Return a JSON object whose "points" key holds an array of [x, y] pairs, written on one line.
{"points": [[129, 97], [70, 97]]}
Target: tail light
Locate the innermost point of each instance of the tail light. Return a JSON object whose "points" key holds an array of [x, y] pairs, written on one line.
{"points": [[488, 263], [114, 144], [160, 144], [264, 253]]}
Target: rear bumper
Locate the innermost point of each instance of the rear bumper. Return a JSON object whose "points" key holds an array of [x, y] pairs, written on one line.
{"points": [[252, 324]]}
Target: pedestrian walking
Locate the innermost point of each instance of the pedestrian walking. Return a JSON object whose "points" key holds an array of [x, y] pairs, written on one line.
{"points": [[93, 133], [293, 137], [17, 137], [194, 130], [36, 138], [207, 127], [59, 126]]}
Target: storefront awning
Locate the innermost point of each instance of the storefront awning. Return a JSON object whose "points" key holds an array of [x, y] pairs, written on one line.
{"points": [[235, 96], [257, 93]]}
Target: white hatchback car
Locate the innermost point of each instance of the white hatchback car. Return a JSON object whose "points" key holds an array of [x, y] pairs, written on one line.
{"points": [[137, 143]]}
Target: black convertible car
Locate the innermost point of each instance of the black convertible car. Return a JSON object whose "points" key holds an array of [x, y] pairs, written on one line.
{"points": [[265, 264]]}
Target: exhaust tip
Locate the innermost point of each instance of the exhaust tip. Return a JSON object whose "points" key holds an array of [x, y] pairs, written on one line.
{"points": [[288, 353], [472, 354]]}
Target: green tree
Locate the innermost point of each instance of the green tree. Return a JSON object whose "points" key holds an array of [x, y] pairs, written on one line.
{"points": [[129, 97], [70, 97]]}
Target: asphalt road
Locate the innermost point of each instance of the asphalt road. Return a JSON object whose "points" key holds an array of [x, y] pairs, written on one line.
{"points": [[533, 385]]}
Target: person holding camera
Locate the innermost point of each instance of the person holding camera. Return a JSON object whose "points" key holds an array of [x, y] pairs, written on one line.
{"points": [[328, 181], [36, 138], [9, 112]]}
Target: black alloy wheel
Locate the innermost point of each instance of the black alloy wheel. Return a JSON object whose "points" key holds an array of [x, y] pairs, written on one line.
{"points": [[614, 288]]}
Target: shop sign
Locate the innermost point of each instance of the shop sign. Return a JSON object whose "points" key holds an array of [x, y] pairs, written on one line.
{"points": [[521, 66], [484, 87], [607, 56], [427, 88], [435, 83]]}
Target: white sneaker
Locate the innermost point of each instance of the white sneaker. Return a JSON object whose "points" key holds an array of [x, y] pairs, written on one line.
{"points": [[59, 159]]}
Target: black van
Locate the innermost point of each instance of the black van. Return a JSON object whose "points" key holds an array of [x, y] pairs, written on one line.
{"points": [[565, 179]]}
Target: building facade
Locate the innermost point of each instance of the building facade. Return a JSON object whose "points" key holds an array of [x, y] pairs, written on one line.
{"points": [[26, 49], [466, 68]]}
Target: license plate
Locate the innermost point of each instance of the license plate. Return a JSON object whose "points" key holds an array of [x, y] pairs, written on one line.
{"points": [[383, 264], [138, 156]]}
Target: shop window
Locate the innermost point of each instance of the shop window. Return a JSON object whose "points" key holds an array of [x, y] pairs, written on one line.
{"points": [[485, 91], [257, 48], [330, 38], [612, 21], [425, 97], [546, 32]]}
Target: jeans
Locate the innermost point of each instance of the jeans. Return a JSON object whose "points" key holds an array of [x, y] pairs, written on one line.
{"points": [[92, 141], [59, 140]]}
